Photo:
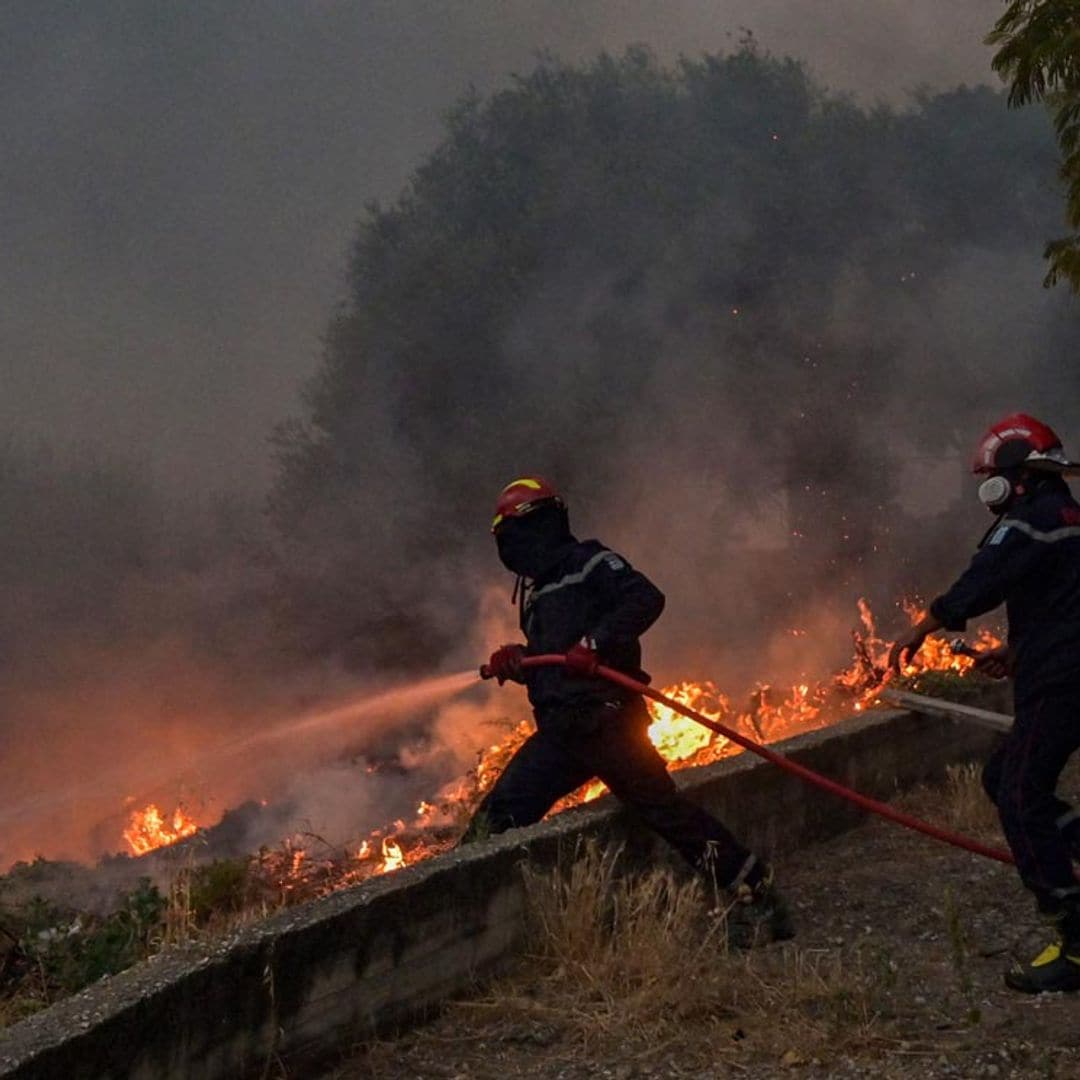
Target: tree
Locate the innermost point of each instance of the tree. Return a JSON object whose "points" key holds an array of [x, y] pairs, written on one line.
{"points": [[1039, 55], [712, 300]]}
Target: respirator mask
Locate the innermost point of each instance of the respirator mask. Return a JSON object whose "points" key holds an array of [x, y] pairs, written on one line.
{"points": [[998, 492], [995, 492]]}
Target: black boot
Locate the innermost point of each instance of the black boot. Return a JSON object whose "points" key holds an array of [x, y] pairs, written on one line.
{"points": [[1057, 967], [759, 914], [1071, 835]]}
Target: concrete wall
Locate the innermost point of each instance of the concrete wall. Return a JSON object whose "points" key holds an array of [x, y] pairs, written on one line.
{"points": [[314, 979]]}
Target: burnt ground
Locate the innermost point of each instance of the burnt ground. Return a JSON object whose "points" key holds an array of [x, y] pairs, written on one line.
{"points": [[896, 972]]}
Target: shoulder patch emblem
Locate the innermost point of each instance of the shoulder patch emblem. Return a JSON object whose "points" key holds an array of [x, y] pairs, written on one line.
{"points": [[999, 534], [614, 562]]}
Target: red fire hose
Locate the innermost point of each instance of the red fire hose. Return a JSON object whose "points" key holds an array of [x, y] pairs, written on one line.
{"points": [[811, 777]]}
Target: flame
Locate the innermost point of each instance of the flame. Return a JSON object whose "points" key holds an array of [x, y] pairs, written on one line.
{"points": [[393, 858], [149, 829], [676, 736], [772, 715], [868, 674]]}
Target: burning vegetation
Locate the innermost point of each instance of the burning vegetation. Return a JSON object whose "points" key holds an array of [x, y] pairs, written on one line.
{"points": [[149, 828], [768, 715]]}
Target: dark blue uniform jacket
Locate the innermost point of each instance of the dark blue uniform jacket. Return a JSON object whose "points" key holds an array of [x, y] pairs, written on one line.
{"points": [[1031, 563], [588, 591]]}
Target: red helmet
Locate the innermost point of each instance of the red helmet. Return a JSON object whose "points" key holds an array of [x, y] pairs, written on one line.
{"points": [[523, 496], [1019, 439]]}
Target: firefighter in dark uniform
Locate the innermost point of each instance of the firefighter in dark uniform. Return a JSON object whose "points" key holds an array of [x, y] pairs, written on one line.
{"points": [[1030, 561], [580, 599]]}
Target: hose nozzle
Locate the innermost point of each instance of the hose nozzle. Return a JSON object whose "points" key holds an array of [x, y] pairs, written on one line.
{"points": [[961, 648]]}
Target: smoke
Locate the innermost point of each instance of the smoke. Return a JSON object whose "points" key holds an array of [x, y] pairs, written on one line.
{"points": [[766, 493], [142, 663], [180, 185], [750, 329]]}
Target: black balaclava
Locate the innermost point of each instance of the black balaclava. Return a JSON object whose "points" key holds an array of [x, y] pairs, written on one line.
{"points": [[529, 544]]}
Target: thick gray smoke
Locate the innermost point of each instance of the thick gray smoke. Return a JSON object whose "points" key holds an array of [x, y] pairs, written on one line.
{"points": [[180, 180], [179, 192], [752, 329]]}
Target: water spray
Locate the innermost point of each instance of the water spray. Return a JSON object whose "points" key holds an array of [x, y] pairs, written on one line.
{"points": [[118, 781]]}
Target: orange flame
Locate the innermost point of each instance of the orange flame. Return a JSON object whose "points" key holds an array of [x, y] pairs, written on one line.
{"points": [[148, 828], [867, 675], [393, 857], [803, 707], [677, 737]]}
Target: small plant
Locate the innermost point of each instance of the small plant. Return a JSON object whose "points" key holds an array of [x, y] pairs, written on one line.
{"points": [[958, 942], [219, 888], [959, 800], [626, 962], [71, 951]]}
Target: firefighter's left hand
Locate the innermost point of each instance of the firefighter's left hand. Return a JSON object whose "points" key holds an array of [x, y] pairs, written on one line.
{"points": [[997, 663], [582, 658]]}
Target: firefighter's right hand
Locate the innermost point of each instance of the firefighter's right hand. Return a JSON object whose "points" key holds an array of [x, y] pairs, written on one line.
{"points": [[903, 651], [505, 664], [997, 663]]}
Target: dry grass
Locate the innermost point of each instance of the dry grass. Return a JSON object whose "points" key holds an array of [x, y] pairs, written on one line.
{"points": [[960, 804], [896, 972], [966, 804], [632, 965]]}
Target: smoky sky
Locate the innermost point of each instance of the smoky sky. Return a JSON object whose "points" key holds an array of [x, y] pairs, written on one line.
{"points": [[179, 182]]}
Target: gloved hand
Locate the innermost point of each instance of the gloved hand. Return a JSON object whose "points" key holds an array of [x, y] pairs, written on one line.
{"points": [[582, 658], [904, 649], [505, 663], [997, 663]]}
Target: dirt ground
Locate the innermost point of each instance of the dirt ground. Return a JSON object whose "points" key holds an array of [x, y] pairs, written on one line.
{"points": [[895, 972]]}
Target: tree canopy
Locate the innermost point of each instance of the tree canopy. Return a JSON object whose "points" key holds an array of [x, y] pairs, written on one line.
{"points": [[714, 300], [1039, 55]]}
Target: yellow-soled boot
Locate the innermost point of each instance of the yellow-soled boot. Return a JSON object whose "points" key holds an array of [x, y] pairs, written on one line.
{"points": [[1053, 969], [1057, 967]]}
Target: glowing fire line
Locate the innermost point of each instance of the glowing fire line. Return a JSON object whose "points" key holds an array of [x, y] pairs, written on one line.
{"points": [[768, 717]]}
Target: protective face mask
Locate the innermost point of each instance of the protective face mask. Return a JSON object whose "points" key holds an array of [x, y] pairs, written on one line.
{"points": [[517, 551], [528, 545], [995, 492]]}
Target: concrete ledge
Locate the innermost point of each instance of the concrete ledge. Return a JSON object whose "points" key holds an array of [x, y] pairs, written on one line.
{"points": [[310, 981]]}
